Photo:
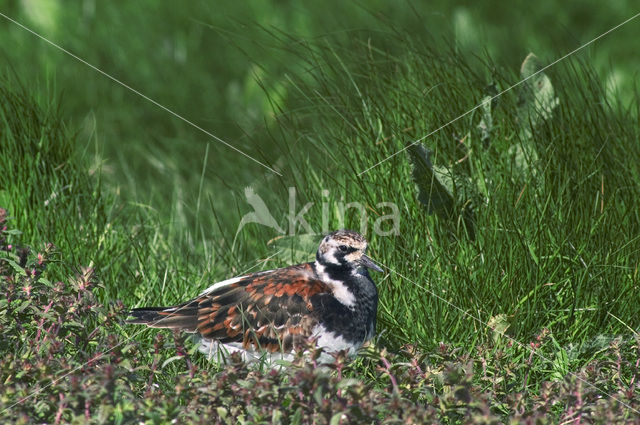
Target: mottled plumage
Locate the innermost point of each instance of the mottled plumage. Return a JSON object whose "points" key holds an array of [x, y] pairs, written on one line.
{"points": [[331, 302]]}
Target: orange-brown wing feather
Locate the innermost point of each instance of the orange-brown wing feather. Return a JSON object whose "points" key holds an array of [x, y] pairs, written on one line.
{"points": [[271, 311]]}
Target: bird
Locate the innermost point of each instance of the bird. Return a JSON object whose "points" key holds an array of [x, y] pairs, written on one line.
{"points": [[269, 315]]}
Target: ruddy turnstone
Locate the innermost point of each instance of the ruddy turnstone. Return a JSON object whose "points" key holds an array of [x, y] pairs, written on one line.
{"points": [[331, 302]]}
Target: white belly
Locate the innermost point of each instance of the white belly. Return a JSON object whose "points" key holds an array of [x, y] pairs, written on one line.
{"points": [[220, 353], [328, 341]]}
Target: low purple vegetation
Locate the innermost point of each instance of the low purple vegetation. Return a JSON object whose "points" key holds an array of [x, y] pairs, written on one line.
{"points": [[65, 357]]}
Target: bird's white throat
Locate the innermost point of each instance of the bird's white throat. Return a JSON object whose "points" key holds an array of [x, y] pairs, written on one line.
{"points": [[340, 290]]}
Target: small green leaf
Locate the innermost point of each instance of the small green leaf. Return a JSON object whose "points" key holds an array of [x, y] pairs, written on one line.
{"points": [[435, 185], [45, 282], [537, 97], [431, 193], [296, 419], [499, 325], [276, 417], [317, 396], [560, 365], [488, 103], [73, 323], [170, 360], [536, 103], [347, 382], [15, 266], [335, 419], [222, 413], [22, 305]]}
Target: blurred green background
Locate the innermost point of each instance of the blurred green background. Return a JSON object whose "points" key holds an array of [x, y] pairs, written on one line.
{"points": [[222, 65], [281, 81]]}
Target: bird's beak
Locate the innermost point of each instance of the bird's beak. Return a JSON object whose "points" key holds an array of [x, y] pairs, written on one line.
{"points": [[368, 262]]}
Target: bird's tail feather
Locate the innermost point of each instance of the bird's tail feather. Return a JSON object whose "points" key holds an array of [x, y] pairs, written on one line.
{"points": [[183, 317]]}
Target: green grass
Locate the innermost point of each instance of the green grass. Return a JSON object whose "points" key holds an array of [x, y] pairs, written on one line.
{"points": [[65, 359], [203, 62], [556, 246], [553, 251], [558, 257], [55, 194]]}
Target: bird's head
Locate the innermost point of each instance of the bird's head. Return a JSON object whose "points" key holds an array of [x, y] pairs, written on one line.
{"points": [[345, 248]]}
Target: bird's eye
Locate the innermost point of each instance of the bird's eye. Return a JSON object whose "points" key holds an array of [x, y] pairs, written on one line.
{"points": [[343, 248]]}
